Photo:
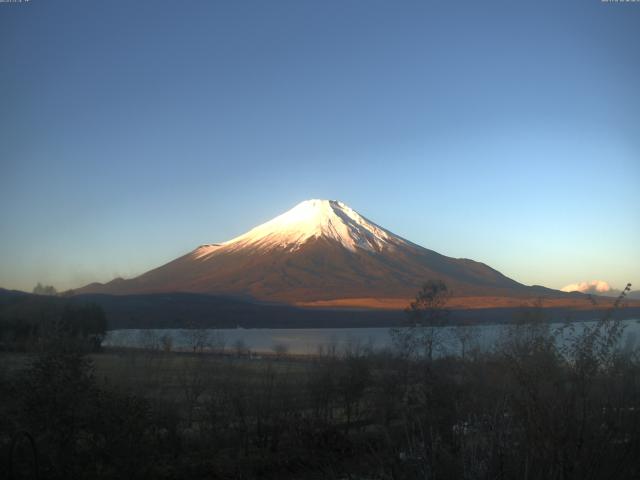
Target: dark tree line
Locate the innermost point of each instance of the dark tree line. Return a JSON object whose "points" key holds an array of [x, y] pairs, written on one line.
{"points": [[31, 322]]}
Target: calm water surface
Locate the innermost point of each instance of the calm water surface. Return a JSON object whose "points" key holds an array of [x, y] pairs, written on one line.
{"points": [[315, 340]]}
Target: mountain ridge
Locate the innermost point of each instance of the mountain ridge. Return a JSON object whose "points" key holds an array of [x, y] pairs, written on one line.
{"points": [[320, 250]]}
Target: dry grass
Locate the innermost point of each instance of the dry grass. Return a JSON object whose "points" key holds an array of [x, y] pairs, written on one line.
{"points": [[163, 375], [468, 303]]}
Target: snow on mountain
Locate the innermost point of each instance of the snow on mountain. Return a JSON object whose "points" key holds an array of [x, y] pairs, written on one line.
{"points": [[312, 219], [204, 250]]}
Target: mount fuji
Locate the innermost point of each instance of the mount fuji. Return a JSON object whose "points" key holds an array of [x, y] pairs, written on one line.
{"points": [[321, 252]]}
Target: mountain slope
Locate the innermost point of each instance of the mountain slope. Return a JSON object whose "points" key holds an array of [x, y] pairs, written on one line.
{"points": [[319, 250]]}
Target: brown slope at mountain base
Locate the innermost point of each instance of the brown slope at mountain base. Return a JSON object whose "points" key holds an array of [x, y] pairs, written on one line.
{"points": [[602, 303]]}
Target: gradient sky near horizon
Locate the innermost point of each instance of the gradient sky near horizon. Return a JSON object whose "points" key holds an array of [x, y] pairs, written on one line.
{"points": [[507, 132]]}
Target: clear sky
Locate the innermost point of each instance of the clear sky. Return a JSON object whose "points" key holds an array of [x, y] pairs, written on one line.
{"points": [[132, 131]]}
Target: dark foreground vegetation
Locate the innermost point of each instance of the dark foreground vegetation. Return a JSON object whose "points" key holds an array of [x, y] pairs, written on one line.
{"points": [[528, 410]]}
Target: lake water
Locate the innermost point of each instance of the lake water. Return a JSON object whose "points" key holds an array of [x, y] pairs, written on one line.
{"points": [[315, 340]]}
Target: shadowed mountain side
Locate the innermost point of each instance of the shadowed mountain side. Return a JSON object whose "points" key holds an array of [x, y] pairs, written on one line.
{"points": [[185, 310]]}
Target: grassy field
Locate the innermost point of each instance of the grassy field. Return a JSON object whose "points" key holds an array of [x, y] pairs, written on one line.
{"points": [[165, 375]]}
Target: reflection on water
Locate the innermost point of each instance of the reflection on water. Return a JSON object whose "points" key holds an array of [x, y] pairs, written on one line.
{"points": [[322, 340]]}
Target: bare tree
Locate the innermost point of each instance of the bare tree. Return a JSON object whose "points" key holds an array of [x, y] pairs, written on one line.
{"points": [[280, 349], [466, 334], [148, 339], [218, 341], [166, 342], [197, 338], [353, 378], [240, 347], [426, 314], [193, 383]]}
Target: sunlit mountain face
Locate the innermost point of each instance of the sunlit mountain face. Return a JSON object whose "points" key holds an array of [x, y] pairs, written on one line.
{"points": [[319, 251]]}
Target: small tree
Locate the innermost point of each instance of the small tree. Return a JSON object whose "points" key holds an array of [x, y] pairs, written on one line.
{"points": [[149, 340], [280, 349], [198, 338], [240, 347], [193, 383], [167, 343], [55, 393], [466, 334], [425, 315], [352, 380], [218, 341]]}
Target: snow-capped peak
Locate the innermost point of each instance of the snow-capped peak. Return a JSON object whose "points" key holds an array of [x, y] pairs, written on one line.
{"points": [[204, 250], [316, 218]]}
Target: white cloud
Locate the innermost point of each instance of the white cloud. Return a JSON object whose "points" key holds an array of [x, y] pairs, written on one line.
{"points": [[594, 286]]}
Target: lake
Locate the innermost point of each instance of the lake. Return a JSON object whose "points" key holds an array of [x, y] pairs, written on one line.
{"points": [[309, 341]]}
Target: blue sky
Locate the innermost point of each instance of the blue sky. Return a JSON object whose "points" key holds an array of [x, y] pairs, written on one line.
{"points": [[507, 132]]}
